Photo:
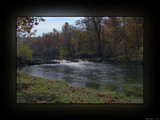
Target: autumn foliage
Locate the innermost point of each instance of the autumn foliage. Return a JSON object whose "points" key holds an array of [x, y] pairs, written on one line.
{"points": [[103, 37]]}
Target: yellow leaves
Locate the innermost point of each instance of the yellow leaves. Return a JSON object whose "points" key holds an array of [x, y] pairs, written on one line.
{"points": [[25, 24], [84, 33], [134, 27]]}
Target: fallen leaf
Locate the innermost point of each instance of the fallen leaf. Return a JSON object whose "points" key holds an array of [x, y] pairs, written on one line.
{"points": [[52, 94], [44, 102], [88, 103], [81, 100], [100, 95], [107, 100], [71, 101], [56, 101], [32, 100], [48, 98], [83, 91]]}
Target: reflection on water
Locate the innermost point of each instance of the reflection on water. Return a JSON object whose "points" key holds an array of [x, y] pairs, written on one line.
{"points": [[116, 77]]}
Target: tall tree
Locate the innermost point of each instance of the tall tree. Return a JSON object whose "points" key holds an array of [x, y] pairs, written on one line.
{"points": [[79, 42], [125, 36], [97, 24], [55, 39], [114, 24], [138, 30], [86, 24], [66, 44]]}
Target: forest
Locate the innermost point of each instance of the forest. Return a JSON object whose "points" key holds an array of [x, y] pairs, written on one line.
{"points": [[114, 39]]}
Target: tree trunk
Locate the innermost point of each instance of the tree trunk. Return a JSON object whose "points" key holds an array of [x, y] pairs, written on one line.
{"points": [[97, 26], [125, 38], [99, 44], [79, 43], [137, 35], [137, 40]]}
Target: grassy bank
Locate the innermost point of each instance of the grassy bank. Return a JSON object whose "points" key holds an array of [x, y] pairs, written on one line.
{"points": [[38, 90]]}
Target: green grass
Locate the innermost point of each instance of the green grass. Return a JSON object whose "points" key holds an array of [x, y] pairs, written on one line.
{"points": [[38, 90]]}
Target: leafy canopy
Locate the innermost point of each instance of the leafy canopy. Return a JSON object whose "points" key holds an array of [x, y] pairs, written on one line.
{"points": [[25, 24]]}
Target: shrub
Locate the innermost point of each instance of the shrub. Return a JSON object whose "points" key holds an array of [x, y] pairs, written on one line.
{"points": [[24, 51]]}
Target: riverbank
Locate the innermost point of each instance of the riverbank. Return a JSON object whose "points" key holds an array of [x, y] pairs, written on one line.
{"points": [[22, 62], [37, 90], [112, 60]]}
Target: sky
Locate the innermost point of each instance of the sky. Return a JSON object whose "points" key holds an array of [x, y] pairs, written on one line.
{"points": [[53, 22]]}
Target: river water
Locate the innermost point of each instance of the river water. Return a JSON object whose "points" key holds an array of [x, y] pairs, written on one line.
{"points": [[115, 77]]}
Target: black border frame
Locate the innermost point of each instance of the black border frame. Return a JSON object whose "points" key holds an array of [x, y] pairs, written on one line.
{"points": [[131, 111]]}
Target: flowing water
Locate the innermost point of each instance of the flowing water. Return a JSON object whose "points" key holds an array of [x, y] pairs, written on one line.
{"points": [[114, 77]]}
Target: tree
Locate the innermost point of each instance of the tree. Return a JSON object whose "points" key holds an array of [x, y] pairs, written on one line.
{"points": [[55, 39], [23, 51], [67, 36], [87, 29], [138, 28], [25, 24], [65, 47], [134, 31], [125, 36], [114, 24], [79, 42], [97, 24]]}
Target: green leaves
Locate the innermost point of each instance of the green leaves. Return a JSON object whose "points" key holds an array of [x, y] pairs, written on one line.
{"points": [[24, 51]]}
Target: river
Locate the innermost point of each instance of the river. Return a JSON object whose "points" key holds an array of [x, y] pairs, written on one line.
{"points": [[114, 77]]}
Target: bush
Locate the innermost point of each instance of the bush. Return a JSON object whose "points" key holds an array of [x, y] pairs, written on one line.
{"points": [[63, 54], [50, 53], [24, 52]]}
